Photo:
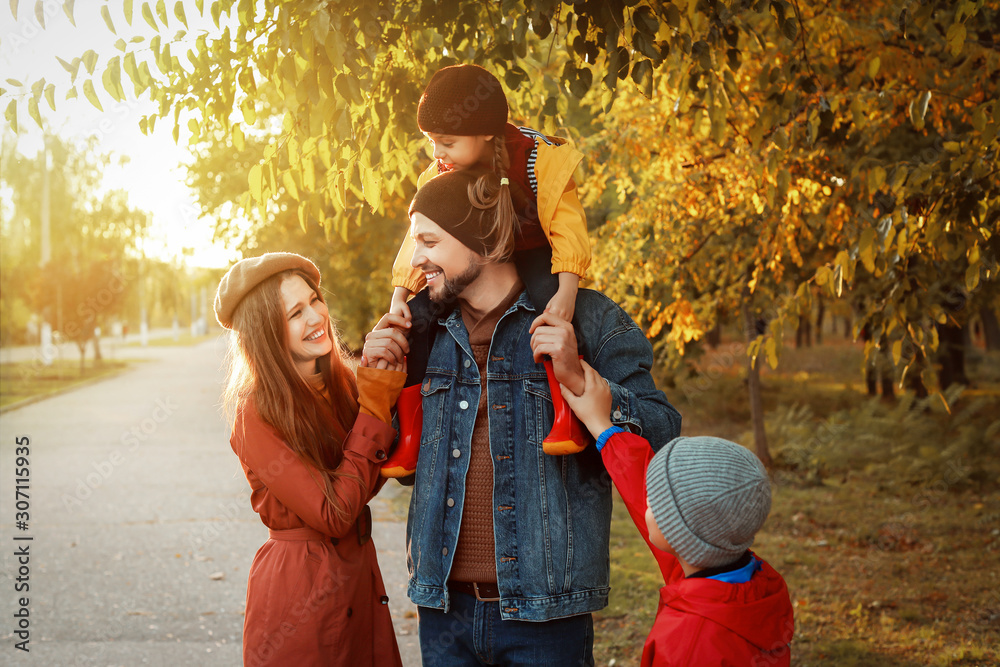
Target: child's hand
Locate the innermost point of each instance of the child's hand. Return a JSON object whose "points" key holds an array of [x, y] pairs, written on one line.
{"points": [[563, 303], [397, 306], [593, 406]]}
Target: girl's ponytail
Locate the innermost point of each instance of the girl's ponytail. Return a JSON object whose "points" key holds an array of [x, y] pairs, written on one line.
{"points": [[491, 190]]}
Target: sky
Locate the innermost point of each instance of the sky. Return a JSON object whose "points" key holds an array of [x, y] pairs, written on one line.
{"points": [[154, 175]]}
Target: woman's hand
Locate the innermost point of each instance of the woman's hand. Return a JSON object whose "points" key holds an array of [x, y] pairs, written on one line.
{"points": [[386, 346]]}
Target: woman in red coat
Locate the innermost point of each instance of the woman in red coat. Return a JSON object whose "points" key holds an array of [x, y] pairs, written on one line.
{"points": [[311, 440]]}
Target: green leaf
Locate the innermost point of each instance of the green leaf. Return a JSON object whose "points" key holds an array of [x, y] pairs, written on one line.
{"points": [[873, 67], [179, 13], [11, 113], [972, 277], [33, 111], [642, 75], [121, 45], [91, 94], [147, 14], [50, 95], [956, 38], [127, 9], [106, 15]]}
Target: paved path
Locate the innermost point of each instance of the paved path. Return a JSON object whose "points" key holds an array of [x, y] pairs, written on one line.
{"points": [[141, 523]]}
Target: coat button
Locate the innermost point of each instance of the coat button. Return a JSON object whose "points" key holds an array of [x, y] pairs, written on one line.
{"points": [[380, 455], [384, 599], [464, 405], [456, 452], [451, 502], [467, 363], [617, 414], [427, 386], [444, 552], [350, 612]]}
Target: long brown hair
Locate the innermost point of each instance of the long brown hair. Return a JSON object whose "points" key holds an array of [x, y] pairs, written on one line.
{"points": [[489, 192], [262, 373]]}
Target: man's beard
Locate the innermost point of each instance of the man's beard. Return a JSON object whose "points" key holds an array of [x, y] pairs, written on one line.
{"points": [[453, 287]]}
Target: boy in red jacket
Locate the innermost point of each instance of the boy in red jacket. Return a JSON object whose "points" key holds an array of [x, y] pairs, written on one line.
{"points": [[698, 503]]}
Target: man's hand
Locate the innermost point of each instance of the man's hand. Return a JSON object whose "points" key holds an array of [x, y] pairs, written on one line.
{"points": [[553, 336], [386, 345]]}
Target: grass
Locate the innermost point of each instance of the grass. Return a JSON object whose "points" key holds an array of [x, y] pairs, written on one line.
{"points": [[168, 341], [21, 381], [883, 567]]}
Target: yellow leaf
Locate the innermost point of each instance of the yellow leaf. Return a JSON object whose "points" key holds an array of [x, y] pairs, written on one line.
{"points": [[249, 113], [290, 187], [972, 277], [897, 351], [239, 140], [91, 94], [256, 182], [873, 67]]}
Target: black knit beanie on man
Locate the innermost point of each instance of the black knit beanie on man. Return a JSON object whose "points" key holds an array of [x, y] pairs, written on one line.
{"points": [[445, 200], [463, 100]]}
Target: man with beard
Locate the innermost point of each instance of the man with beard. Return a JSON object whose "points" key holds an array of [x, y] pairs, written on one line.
{"points": [[507, 547]]}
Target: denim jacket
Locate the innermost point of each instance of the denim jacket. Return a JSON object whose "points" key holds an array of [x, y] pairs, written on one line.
{"points": [[552, 514]]}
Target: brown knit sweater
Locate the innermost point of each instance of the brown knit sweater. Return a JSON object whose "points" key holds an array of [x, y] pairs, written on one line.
{"points": [[475, 554]]}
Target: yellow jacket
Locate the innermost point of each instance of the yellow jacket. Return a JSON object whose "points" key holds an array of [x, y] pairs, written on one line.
{"points": [[559, 212]]}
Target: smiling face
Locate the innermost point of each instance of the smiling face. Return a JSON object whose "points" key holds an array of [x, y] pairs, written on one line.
{"points": [[307, 324], [461, 152], [449, 266]]}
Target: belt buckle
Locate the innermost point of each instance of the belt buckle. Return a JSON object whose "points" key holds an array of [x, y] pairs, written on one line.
{"points": [[475, 587]]}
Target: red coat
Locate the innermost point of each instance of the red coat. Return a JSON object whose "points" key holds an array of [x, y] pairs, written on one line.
{"points": [[315, 594], [702, 621]]}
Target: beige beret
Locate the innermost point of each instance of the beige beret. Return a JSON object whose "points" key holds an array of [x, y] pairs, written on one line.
{"points": [[248, 273]]}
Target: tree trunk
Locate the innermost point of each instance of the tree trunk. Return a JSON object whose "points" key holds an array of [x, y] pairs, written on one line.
{"points": [[82, 346], [915, 377], [820, 311], [991, 328], [951, 355], [887, 375], [97, 351], [714, 335], [753, 385]]}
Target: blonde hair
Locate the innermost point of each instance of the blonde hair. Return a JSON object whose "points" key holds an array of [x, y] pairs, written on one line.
{"points": [[489, 192]]}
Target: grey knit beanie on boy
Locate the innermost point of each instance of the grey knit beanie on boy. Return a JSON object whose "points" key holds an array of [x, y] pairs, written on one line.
{"points": [[709, 497]]}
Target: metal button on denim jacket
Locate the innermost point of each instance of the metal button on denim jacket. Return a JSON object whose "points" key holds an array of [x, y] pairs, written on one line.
{"points": [[552, 514]]}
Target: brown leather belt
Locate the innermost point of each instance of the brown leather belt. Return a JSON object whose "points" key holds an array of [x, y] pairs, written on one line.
{"points": [[484, 591]]}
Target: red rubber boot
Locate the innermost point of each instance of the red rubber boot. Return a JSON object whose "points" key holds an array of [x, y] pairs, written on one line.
{"points": [[409, 409], [568, 436]]}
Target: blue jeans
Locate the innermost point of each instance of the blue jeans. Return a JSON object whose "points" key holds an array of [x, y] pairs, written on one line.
{"points": [[473, 633]]}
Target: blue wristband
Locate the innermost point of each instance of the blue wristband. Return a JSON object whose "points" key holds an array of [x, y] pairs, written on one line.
{"points": [[604, 437]]}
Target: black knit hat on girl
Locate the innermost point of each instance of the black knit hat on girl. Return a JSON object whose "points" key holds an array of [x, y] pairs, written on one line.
{"points": [[445, 200], [463, 100]]}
